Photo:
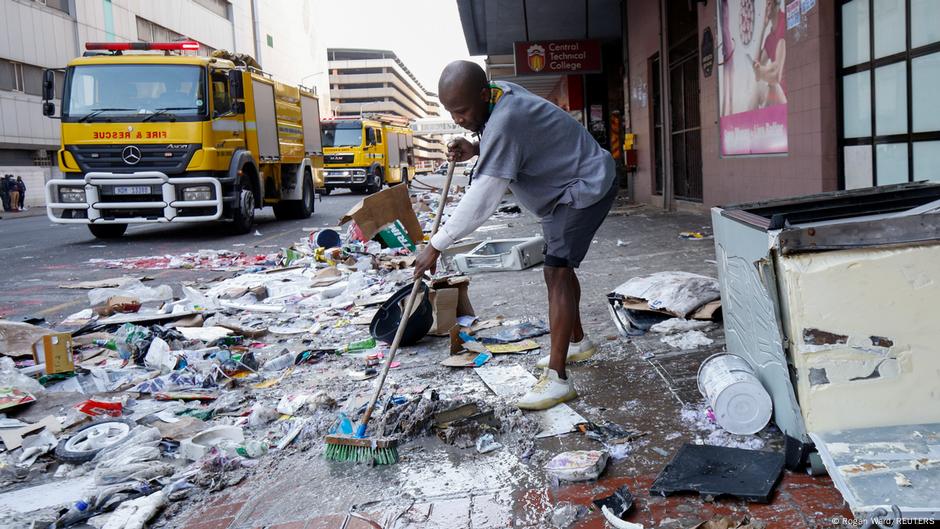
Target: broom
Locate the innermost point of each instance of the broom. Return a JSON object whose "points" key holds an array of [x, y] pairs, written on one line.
{"points": [[382, 451]]}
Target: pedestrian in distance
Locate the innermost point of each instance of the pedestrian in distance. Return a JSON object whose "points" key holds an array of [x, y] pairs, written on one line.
{"points": [[14, 194], [21, 188], [556, 170], [5, 192]]}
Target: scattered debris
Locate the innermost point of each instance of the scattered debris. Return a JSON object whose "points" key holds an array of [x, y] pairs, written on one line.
{"points": [[715, 471], [578, 465], [687, 340]]}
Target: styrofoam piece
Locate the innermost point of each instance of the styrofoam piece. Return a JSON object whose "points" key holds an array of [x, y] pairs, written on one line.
{"points": [[198, 445], [577, 465], [502, 254], [741, 404]]}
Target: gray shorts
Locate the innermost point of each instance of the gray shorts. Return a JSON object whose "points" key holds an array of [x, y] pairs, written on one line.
{"points": [[569, 231]]}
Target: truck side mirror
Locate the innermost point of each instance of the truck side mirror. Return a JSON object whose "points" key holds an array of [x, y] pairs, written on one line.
{"points": [[48, 109], [48, 85], [237, 91]]}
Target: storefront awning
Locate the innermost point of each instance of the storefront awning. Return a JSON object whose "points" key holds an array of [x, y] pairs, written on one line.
{"points": [[491, 26]]}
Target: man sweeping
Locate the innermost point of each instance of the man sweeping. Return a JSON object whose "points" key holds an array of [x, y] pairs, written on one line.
{"points": [[556, 170]]}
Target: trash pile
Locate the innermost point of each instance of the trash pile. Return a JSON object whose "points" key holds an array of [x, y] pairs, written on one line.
{"points": [[146, 398]]}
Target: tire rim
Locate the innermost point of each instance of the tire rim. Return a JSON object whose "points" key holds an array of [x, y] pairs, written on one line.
{"points": [[247, 205], [97, 437]]}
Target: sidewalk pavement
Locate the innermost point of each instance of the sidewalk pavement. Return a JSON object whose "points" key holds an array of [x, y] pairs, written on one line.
{"points": [[640, 384], [33, 211]]}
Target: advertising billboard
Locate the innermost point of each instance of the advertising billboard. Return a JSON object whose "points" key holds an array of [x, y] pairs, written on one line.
{"points": [[557, 56], [752, 93]]}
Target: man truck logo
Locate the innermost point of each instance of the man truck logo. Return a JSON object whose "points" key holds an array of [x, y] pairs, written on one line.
{"points": [[131, 155], [536, 57]]}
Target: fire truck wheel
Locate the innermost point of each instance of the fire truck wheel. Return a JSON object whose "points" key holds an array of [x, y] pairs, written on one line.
{"points": [[297, 209], [107, 231], [243, 217], [375, 182]]}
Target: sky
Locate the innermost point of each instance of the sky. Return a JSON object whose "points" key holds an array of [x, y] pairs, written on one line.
{"points": [[425, 34]]}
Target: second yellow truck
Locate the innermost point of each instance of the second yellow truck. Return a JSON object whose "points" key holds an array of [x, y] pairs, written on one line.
{"points": [[364, 153]]}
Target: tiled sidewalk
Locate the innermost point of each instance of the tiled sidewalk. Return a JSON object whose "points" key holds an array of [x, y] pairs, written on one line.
{"points": [[801, 501]]}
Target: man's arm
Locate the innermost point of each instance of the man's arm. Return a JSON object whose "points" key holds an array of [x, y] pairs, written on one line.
{"points": [[474, 208]]}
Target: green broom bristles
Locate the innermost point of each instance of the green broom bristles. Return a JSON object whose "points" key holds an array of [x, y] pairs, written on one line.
{"points": [[339, 448]]}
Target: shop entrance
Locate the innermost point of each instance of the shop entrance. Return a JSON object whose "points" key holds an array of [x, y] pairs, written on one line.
{"points": [[686, 124]]}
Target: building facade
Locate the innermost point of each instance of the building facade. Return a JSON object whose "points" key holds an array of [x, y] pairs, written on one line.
{"points": [[378, 82], [44, 34], [740, 100]]}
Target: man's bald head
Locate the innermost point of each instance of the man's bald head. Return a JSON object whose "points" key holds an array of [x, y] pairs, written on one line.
{"points": [[464, 91]]}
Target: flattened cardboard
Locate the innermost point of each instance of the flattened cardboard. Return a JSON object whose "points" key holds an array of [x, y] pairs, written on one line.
{"points": [[13, 438], [378, 210], [515, 347]]}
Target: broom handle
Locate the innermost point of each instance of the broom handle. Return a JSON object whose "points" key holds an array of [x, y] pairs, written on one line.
{"points": [[406, 315]]}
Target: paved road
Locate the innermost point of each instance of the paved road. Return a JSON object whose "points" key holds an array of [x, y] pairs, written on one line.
{"points": [[37, 255]]}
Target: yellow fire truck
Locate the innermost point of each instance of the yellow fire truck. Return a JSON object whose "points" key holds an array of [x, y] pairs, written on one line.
{"points": [[364, 153], [168, 138]]}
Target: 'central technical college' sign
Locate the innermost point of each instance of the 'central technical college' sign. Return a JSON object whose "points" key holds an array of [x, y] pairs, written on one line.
{"points": [[557, 56]]}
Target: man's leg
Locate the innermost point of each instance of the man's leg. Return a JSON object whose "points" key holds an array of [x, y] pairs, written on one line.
{"points": [[563, 313]]}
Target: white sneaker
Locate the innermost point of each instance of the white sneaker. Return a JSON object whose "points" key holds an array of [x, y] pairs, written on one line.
{"points": [[577, 352], [549, 391]]}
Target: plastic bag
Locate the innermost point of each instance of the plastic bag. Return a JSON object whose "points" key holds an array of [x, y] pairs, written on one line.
{"points": [[10, 376], [133, 341], [132, 289]]}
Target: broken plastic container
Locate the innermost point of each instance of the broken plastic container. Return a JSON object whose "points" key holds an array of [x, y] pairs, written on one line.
{"points": [[502, 254], [577, 465], [199, 445]]}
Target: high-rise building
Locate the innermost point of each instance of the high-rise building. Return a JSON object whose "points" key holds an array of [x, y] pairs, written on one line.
{"points": [[41, 34], [377, 82]]}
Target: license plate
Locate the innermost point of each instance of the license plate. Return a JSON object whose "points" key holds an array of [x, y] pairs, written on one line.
{"points": [[131, 190]]}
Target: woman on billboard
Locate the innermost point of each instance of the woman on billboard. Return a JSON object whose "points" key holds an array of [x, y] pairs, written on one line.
{"points": [[768, 68]]}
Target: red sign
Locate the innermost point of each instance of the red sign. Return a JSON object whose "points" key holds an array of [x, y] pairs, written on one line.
{"points": [[557, 56]]}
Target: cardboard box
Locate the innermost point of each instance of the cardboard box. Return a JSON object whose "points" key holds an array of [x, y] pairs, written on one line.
{"points": [[449, 300], [378, 210], [55, 350], [395, 236], [118, 305]]}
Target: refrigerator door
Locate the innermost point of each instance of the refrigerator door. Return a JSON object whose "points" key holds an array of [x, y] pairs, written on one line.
{"points": [[881, 467]]}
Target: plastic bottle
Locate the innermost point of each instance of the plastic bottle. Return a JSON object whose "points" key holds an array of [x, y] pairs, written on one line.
{"points": [[107, 344], [252, 449], [282, 362], [362, 345]]}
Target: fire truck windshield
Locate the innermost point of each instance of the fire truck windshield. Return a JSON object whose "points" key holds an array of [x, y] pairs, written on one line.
{"points": [[342, 134], [131, 92]]}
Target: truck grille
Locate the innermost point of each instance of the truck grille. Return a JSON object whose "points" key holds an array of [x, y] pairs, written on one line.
{"points": [[338, 158], [168, 159]]}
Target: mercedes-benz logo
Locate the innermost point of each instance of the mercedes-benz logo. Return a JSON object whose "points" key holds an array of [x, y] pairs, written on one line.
{"points": [[131, 155]]}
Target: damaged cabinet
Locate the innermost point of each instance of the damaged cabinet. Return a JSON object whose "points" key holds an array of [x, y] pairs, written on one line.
{"points": [[829, 298]]}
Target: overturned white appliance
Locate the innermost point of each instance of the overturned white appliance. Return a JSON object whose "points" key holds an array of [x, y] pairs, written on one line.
{"points": [[498, 255], [830, 298]]}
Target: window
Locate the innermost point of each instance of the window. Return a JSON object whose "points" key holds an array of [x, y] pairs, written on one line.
{"points": [[270, 41], [378, 135], [219, 7], [890, 68], [148, 31], [12, 77], [7, 75], [32, 79], [221, 99], [59, 5]]}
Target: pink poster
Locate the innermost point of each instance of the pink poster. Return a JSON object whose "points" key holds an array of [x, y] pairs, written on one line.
{"points": [[752, 54]]}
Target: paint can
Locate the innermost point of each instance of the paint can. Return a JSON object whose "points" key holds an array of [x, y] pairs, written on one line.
{"points": [[732, 389], [326, 238]]}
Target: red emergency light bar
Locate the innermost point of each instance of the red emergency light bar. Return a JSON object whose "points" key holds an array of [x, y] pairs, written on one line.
{"points": [[186, 45]]}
